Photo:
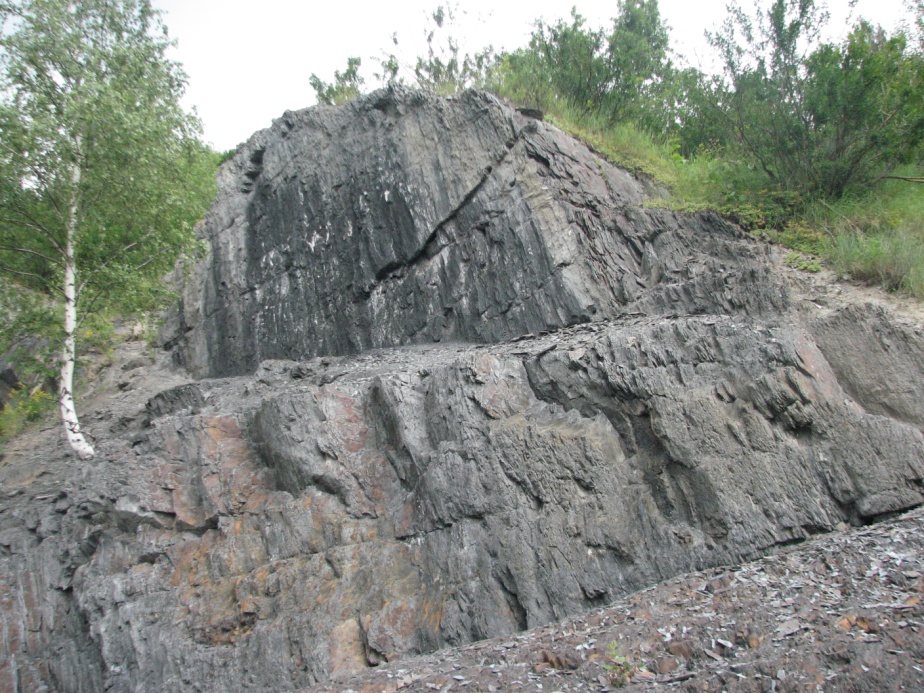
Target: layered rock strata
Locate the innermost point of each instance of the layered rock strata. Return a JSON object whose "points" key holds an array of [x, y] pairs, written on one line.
{"points": [[406, 219], [464, 382]]}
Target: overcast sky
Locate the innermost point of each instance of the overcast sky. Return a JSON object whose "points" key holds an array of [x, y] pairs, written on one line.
{"points": [[249, 62]]}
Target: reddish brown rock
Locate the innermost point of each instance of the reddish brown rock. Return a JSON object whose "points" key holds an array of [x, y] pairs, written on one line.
{"points": [[583, 396]]}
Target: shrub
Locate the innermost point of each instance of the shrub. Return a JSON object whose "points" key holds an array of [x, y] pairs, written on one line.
{"points": [[620, 670], [819, 119], [23, 408]]}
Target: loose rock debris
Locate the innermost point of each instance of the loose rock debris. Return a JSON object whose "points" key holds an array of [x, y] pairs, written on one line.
{"points": [[842, 612]]}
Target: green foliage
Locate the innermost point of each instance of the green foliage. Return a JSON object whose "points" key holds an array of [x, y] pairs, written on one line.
{"points": [[615, 75], [623, 144], [732, 188], [683, 106], [222, 157], [347, 85], [563, 62], [803, 238], [726, 186], [799, 140], [23, 408], [894, 258], [807, 263], [514, 77], [96, 333], [102, 174], [636, 58], [819, 119], [446, 69], [390, 67], [620, 670], [93, 136], [30, 332], [876, 236]]}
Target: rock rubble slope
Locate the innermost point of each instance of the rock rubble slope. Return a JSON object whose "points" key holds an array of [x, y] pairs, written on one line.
{"points": [[448, 378], [841, 612]]}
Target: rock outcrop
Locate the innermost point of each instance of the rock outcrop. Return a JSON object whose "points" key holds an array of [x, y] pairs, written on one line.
{"points": [[456, 380], [404, 219], [9, 383]]}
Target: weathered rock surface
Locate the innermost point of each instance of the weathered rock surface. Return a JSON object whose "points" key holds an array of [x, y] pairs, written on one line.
{"points": [[9, 382], [401, 219], [618, 395], [842, 612]]}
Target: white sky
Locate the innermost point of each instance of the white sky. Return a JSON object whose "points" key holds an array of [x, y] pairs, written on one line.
{"points": [[248, 62]]}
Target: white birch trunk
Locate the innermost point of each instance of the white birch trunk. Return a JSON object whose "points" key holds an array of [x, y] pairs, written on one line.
{"points": [[69, 354]]}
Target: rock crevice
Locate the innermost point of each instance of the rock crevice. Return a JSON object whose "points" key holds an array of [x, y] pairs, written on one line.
{"points": [[450, 378]]}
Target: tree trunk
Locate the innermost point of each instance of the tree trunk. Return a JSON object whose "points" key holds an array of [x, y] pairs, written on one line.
{"points": [[69, 354]]}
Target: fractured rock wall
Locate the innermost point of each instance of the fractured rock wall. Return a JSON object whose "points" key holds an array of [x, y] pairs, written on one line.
{"points": [[322, 516], [407, 219], [618, 394]]}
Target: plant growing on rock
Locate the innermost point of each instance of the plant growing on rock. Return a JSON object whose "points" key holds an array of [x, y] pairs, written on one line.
{"points": [[347, 85], [101, 172], [619, 669]]}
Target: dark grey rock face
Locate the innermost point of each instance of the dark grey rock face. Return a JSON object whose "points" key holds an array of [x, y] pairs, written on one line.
{"points": [[407, 219], [9, 382], [355, 493]]}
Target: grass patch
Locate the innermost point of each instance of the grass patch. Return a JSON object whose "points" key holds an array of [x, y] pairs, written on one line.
{"points": [[707, 183], [623, 144], [877, 237], [893, 258], [23, 408]]}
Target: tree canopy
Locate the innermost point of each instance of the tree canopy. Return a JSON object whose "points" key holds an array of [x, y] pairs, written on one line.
{"points": [[612, 73], [102, 175], [819, 118]]}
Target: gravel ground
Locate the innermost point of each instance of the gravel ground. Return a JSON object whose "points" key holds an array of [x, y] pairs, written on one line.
{"points": [[842, 612]]}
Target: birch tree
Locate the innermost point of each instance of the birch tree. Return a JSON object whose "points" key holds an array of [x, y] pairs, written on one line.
{"points": [[101, 172]]}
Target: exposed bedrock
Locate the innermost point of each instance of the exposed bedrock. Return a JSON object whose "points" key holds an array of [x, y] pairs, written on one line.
{"points": [[265, 533], [616, 394], [403, 218]]}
